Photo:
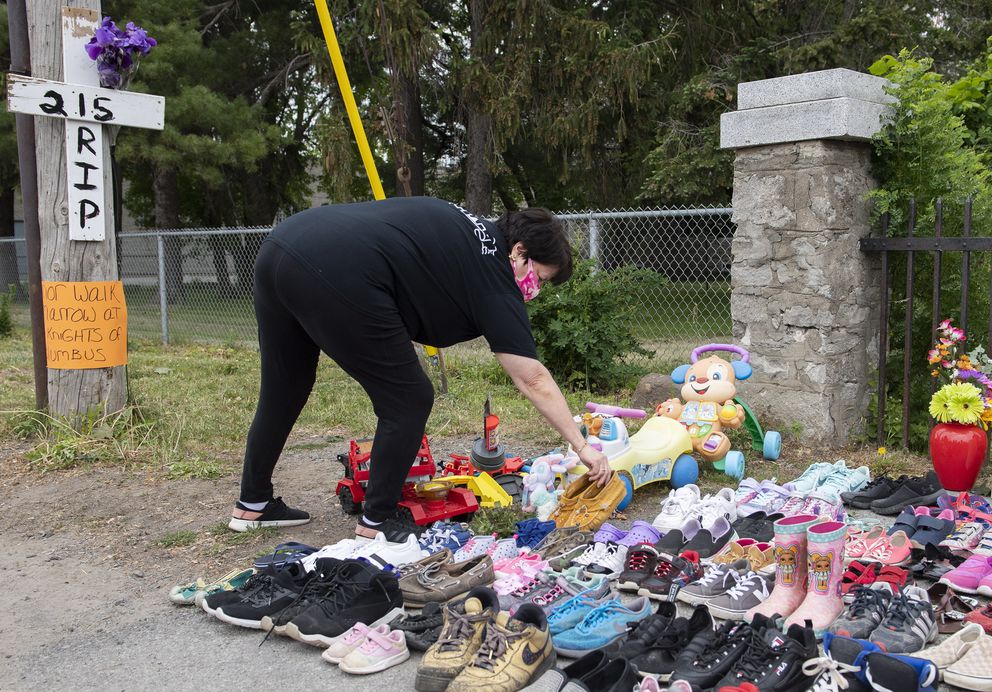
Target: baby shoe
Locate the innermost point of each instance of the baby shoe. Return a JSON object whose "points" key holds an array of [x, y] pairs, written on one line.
{"points": [[503, 549], [474, 547]]}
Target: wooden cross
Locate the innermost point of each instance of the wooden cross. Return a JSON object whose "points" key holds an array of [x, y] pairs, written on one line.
{"points": [[86, 109], [85, 317]]}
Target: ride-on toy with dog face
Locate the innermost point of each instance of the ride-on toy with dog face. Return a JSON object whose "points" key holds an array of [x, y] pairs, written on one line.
{"points": [[710, 405]]}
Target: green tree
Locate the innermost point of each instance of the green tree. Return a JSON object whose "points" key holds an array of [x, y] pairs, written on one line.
{"points": [[8, 170]]}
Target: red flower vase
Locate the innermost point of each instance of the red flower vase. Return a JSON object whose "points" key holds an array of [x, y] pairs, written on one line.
{"points": [[957, 452]]}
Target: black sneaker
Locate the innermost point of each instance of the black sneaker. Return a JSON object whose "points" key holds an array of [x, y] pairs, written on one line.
{"points": [[324, 579], [616, 676], [395, 530], [881, 487], [759, 526], [671, 574], [637, 567], [709, 542], [423, 629], [265, 593], [276, 513], [774, 661], [886, 672], [643, 633], [669, 649], [373, 600], [720, 653], [921, 490]]}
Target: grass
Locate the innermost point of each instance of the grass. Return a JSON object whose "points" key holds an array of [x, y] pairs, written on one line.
{"points": [[191, 406], [176, 539]]}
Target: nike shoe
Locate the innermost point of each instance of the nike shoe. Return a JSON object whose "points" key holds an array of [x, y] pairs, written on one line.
{"points": [[866, 611], [670, 575], [266, 592], [909, 623], [810, 479], [515, 651], [603, 626], [460, 639]]}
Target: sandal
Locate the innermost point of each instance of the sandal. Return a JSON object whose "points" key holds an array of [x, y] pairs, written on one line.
{"points": [[933, 529], [857, 574], [895, 576], [949, 609]]}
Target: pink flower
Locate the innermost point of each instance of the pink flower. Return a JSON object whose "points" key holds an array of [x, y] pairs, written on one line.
{"points": [[946, 342], [946, 364], [946, 324], [957, 334]]}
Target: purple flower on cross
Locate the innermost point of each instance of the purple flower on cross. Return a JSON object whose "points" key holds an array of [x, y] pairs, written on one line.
{"points": [[116, 51]]}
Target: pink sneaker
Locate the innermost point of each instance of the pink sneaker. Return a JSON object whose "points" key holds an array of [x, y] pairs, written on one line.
{"points": [[524, 564], [377, 653], [511, 583], [351, 640], [860, 544], [969, 575], [890, 550]]}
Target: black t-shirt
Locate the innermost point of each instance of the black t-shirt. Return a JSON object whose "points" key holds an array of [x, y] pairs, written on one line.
{"points": [[446, 272]]}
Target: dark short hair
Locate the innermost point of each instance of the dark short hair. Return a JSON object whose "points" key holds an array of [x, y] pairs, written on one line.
{"points": [[542, 235]]}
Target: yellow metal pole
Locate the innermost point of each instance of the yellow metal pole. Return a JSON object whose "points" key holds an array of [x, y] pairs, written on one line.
{"points": [[349, 99]]}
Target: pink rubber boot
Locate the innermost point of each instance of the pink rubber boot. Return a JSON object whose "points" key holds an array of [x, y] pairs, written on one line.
{"points": [[823, 602], [790, 567]]}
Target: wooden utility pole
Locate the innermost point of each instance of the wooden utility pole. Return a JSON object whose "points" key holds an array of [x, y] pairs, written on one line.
{"points": [[85, 316]]}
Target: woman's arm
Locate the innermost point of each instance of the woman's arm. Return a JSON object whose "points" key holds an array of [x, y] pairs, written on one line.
{"points": [[535, 382]]}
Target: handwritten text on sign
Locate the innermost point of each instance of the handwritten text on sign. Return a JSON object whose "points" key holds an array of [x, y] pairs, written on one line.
{"points": [[85, 110], [85, 324]]}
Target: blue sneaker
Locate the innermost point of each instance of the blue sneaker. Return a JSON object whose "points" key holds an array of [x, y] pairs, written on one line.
{"points": [[573, 611], [445, 534], [530, 532], [601, 627], [845, 661], [903, 673]]}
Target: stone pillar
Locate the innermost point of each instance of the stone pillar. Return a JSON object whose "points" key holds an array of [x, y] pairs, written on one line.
{"points": [[804, 298]]}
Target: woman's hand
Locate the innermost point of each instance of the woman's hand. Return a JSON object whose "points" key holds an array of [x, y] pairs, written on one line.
{"points": [[597, 463]]}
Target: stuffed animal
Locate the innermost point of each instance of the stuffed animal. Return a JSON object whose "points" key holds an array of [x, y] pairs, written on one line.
{"points": [[539, 492], [707, 407]]}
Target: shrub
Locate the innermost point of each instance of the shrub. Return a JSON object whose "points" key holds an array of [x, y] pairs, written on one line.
{"points": [[584, 327]]}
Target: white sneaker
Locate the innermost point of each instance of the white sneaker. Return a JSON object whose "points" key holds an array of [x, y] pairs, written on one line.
{"points": [[340, 550], [381, 552], [476, 546], [677, 507], [610, 562], [713, 507], [590, 555]]}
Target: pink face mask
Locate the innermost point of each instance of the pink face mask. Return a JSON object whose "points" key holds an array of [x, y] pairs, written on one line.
{"points": [[530, 285]]}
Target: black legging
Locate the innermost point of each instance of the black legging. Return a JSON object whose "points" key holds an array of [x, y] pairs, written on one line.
{"points": [[301, 312]]}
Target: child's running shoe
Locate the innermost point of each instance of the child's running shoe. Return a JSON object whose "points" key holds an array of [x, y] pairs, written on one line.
{"points": [[601, 627]]}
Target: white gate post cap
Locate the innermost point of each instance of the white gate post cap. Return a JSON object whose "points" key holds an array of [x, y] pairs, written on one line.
{"points": [[828, 104]]}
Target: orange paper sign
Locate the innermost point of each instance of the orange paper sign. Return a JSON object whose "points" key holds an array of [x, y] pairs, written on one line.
{"points": [[85, 324]]}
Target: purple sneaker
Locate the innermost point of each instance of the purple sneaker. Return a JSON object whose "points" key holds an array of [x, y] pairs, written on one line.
{"points": [[640, 532], [608, 533]]}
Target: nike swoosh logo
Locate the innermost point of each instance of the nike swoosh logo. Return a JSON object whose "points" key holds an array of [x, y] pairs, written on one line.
{"points": [[529, 656]]}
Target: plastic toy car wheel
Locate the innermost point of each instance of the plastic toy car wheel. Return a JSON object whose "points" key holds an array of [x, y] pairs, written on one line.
{"points": [[733, 464], [628, 483], [773, 445], [348, 504], [684, 471]]}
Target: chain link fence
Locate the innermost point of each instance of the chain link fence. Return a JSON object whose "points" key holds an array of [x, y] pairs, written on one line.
{"points": [[195, 284]]}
